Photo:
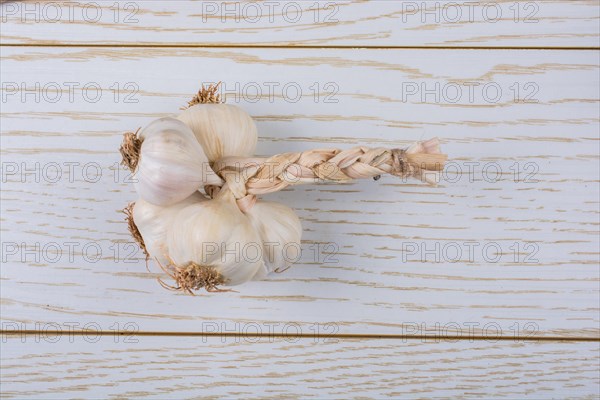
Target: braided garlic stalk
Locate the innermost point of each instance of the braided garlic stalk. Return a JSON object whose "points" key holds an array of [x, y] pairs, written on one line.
{"points": [[229, 236]]}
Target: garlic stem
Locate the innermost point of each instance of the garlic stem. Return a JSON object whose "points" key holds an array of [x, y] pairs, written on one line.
{"points": [[256, 176]]}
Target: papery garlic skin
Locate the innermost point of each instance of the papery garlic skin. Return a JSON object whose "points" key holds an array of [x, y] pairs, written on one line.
{"points": [[216, 234], [223, 130], [153, 222], [280, 230], [172, 164]]}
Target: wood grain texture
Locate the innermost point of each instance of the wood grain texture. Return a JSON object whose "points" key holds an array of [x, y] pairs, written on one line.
{"points": [[512, 23], [376, 282], [163, 368]]}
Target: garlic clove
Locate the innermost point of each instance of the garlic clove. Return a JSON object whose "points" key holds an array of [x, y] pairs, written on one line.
{"points": [[213, 243], [280, 231], [172, 165], [223, 130], [153, 223]]}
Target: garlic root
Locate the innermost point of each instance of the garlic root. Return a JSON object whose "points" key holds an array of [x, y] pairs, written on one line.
{"points": [[133, 229], [206, 95], [193, 277], [130, 149]]}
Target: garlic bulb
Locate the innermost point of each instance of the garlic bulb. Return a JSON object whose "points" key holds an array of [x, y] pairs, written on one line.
{"points": [[280, 231], [172, 164], [223, 130], [213, 243], [153, 223], [234, 237]]}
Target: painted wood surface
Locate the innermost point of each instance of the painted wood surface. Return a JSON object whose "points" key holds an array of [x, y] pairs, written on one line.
{"points": [[167, 367], [508, 23], [473, 278], [506, 245]]}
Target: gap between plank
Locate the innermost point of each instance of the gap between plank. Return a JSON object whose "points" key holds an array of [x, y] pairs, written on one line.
{"points": [[268, 46], [30, 332]]}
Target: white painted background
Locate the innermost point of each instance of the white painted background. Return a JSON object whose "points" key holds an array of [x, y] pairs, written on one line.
{"points": [[362, 312]]}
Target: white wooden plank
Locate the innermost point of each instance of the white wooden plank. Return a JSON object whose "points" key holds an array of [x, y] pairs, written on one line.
{"points": [[376, 285], [521, 23], [164, 367]]}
